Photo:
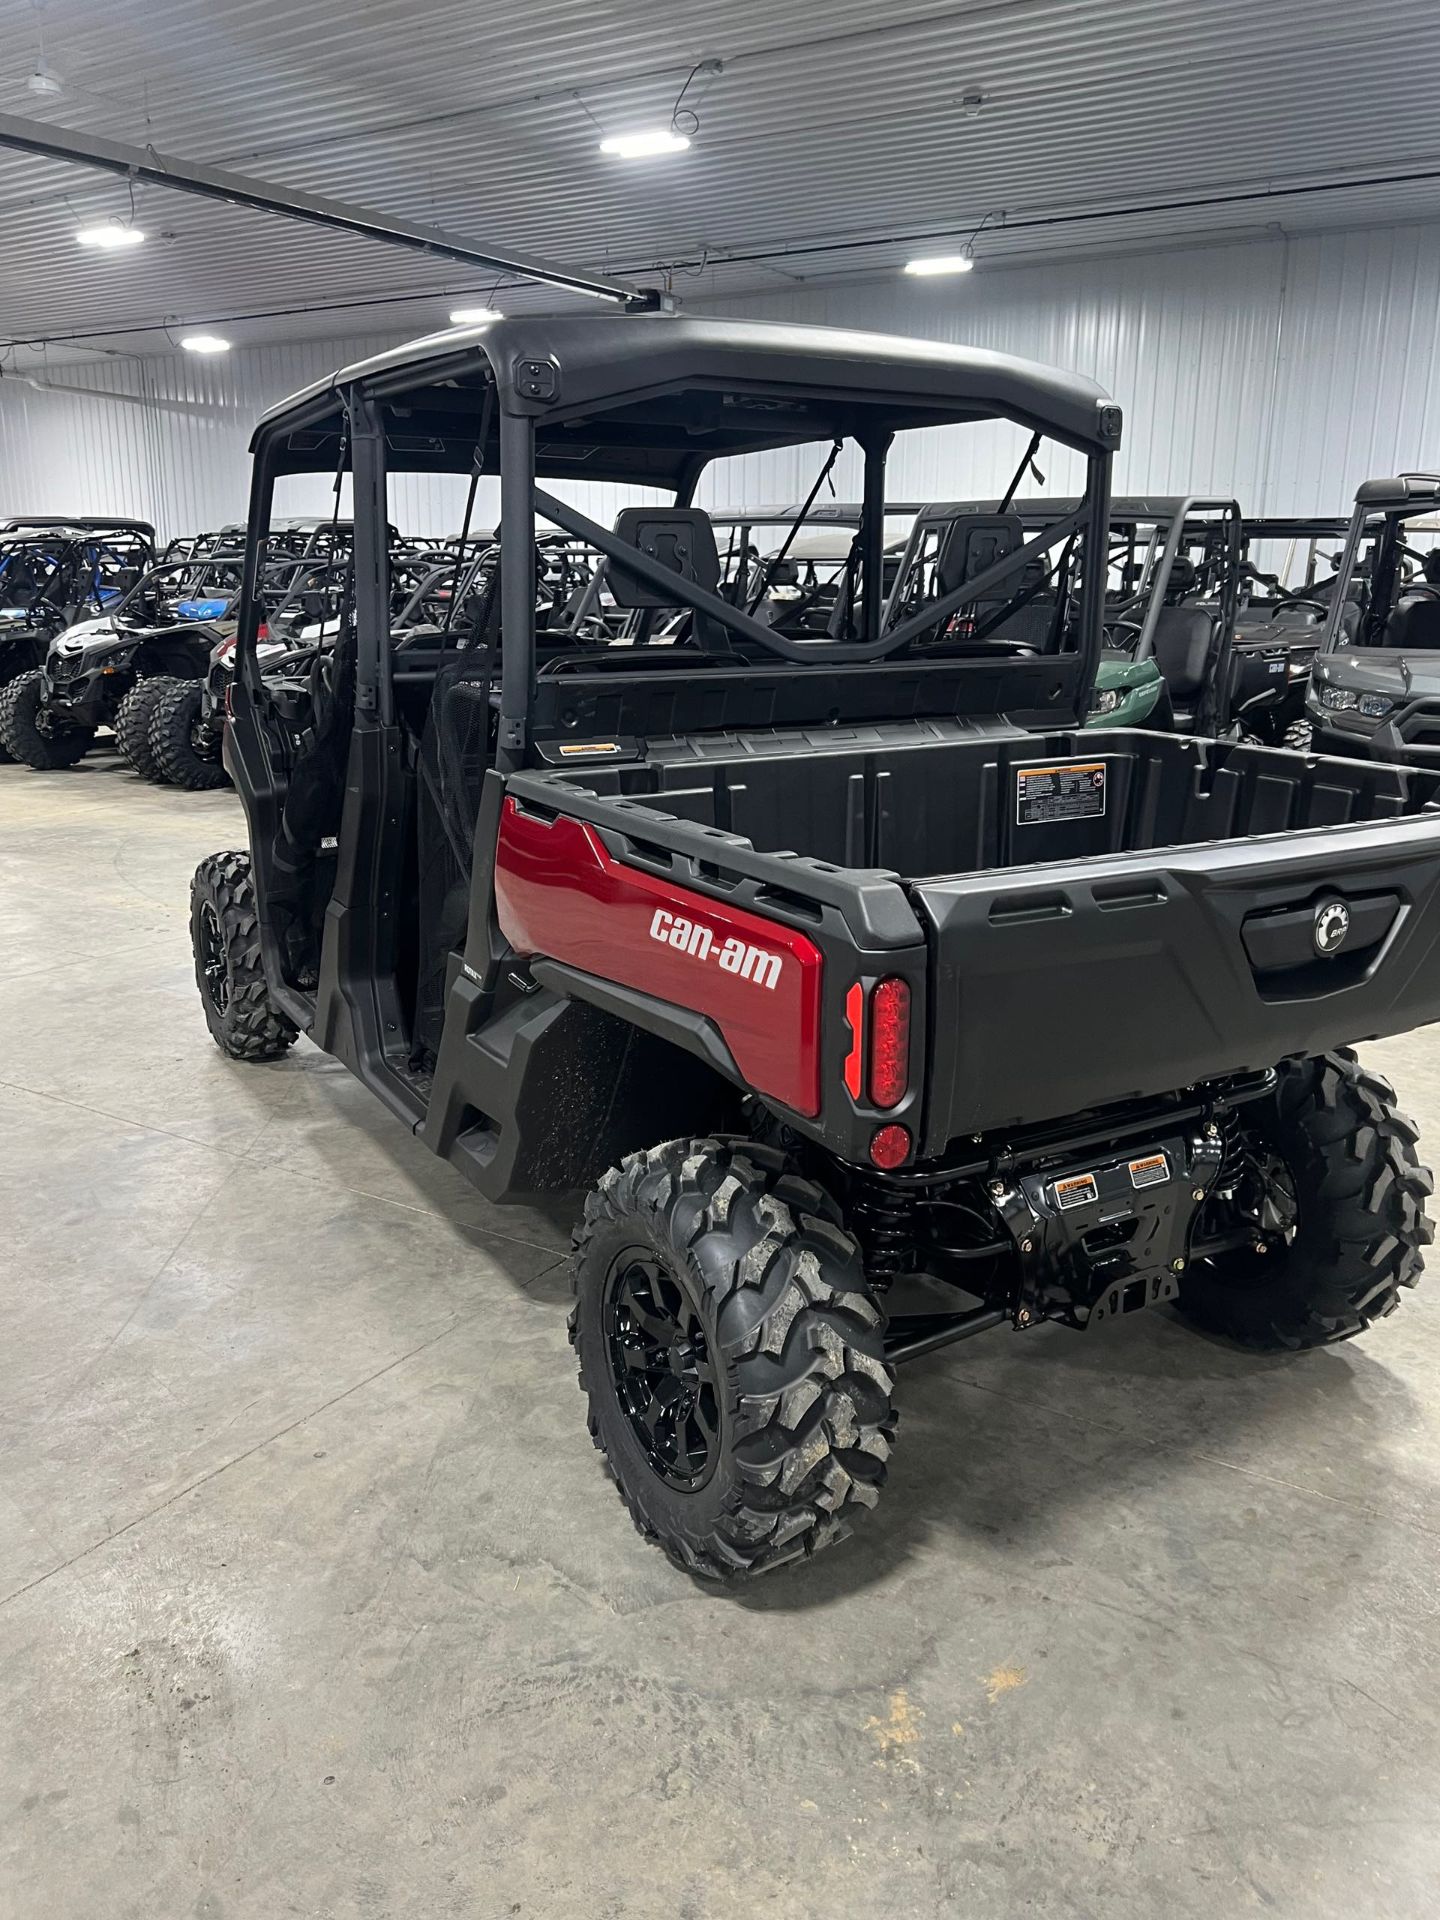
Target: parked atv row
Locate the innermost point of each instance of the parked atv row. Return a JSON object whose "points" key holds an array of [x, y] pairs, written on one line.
{"points": [[57, 572], [143, 665]]}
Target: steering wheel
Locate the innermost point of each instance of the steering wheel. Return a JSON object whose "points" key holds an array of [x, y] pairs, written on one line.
{"points": [[1322, 607]]}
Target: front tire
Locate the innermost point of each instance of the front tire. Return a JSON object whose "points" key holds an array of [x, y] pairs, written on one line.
{"points": [[225, 935], [29, 735], [183, 750], [1349, 1227], [732, 1354], [132, 725]]}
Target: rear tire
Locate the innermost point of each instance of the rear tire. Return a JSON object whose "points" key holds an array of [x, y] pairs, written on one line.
{"points": [[29, 736], [225, 935], [178, 748], [1360, 1224], [732, 1354], [132, 726], [1300, 736]]}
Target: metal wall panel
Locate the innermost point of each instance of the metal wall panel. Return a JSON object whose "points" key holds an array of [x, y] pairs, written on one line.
{"points": [[1283, 371]]}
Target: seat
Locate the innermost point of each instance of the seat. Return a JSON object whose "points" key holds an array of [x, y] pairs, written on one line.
{"points": [[456, 748], [1184, 648], [1415, 624]]}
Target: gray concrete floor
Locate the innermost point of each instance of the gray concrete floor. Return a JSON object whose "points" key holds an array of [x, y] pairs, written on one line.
{"points": [[313, 1600]]}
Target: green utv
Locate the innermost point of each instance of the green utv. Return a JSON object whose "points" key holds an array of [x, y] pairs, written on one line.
{"points": [[871, 999]]}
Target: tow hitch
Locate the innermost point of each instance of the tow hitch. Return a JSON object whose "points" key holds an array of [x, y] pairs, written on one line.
{"points": [[1099, 1238], [1083, 1229]]}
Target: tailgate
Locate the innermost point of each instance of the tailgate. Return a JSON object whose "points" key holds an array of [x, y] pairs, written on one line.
{"points": [[1056, 988]]}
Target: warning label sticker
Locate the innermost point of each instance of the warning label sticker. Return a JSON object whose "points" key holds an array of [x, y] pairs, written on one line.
{"points": [[1151, 1171], [1076, 1191], [1046, 794]]}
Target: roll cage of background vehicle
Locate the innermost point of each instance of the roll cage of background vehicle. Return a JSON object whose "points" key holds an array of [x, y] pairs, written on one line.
{"points": [[1376, 687], [1150, 539]]}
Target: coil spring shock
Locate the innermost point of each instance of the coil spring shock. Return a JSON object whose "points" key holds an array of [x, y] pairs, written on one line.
{"points": [[1233, 1159], [881, 1215]]}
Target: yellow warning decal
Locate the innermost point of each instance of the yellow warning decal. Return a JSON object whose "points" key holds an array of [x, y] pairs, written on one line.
{"points": [[1078, 1190], [1152, 1170], [594, 746]]}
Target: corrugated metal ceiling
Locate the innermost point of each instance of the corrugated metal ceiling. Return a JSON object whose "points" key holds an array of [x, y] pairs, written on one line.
{"points": [[832, 146]]}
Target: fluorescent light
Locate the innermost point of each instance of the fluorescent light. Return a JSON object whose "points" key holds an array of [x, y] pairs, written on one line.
{"points": [[943, 263], [640, 146], [474, 316], [111, 237], [204, 343]]}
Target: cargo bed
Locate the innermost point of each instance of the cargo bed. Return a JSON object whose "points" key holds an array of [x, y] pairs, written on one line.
{"points": [[1101, 921]]}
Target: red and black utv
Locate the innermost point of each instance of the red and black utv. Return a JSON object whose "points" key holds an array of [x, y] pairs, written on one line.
{"points": [[874, 1002]]}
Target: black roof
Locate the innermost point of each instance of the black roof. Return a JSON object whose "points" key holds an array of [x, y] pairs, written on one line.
{"points": [[830, 513], [1295, 527], [1139, 509], [620, 369], [1405, 491]]}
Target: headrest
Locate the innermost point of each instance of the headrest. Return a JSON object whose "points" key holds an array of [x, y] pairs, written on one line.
{"points": [[680, 538], [973, 543], [1183, 574]]}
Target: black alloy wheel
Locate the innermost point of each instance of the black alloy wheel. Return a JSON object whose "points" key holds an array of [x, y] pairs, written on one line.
{"points": [[665, 1379]]}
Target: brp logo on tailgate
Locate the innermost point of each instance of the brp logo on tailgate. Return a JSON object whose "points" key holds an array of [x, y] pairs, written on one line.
{"points": [[732, 955]]}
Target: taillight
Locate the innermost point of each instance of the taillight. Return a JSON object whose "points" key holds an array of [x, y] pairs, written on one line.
{"points": [[889, 1042]]}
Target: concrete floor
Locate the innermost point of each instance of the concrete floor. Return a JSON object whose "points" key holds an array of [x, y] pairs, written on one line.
{"points": [[313, 1600]]}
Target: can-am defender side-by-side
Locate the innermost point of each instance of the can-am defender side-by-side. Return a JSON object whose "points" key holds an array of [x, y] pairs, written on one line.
{"points": [[875, 1001], [1375, 691]]}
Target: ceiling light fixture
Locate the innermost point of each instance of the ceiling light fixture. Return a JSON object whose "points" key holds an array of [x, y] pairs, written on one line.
{"points": [[474, 316], [645, 144], [204, 343], [111, 238], [943, 263], [45, 81]]}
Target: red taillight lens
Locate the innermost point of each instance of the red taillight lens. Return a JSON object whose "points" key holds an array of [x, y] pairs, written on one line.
{"points": [[889, 1042], [890, 1147]]}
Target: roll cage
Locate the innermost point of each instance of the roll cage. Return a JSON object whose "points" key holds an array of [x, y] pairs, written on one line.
{"points": [[654, 400], [1378, 578]]}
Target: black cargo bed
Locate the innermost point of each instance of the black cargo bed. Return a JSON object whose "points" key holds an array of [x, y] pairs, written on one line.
{"points": [[931, 799]]}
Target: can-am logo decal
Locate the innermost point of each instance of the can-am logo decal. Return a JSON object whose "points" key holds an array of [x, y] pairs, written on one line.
{"points": [[1332, 923], [699, 941]]}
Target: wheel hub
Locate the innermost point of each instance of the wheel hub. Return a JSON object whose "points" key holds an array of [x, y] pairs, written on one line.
{"points": [[212, 958], [662, 1370]]}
